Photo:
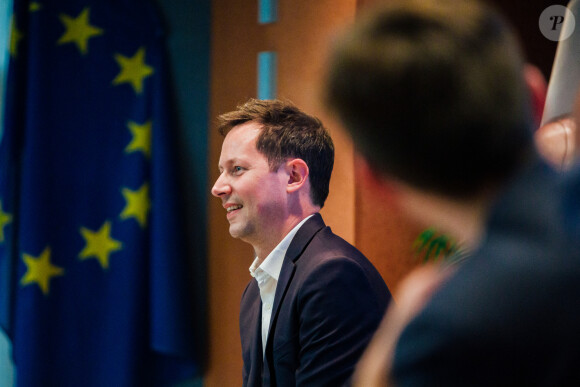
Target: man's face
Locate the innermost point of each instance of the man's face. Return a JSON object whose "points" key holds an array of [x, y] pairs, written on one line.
{"points": [[253, 196]]}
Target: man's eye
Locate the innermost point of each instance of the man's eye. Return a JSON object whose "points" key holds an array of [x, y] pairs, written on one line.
{"points": [[237, 169]]}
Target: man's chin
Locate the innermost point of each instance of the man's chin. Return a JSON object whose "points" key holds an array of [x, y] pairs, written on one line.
{"points": [[238, 232], [235, 232]]}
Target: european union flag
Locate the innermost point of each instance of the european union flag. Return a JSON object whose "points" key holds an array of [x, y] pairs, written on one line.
{"points": [[94, 277]]}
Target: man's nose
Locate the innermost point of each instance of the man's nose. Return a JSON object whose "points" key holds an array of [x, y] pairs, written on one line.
{"points": [[221, 187]]}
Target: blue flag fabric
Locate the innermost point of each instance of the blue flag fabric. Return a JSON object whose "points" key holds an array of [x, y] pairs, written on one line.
{"points": [[94, 276]]}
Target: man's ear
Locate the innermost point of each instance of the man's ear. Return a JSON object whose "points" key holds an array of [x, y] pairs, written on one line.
{"points": [[298, 171], [380, 186], [538, 88]]}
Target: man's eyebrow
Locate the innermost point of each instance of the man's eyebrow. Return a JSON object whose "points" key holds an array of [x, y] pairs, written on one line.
{"points": [[237, 160], [227, 163]]}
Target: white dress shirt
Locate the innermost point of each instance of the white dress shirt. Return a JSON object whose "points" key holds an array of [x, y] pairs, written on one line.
{"points": [[266, 272]]}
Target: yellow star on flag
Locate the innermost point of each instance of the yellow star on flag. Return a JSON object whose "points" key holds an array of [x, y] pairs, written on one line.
{"points": [[141, 138], [138, 204], [15, 38], [34, 6], [5, 220], [133, 70], [99, 244], [78, 30], [39, 270]]}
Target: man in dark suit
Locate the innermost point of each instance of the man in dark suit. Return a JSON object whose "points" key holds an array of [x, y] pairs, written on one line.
{"points": [[316, 300], [434, 96]]}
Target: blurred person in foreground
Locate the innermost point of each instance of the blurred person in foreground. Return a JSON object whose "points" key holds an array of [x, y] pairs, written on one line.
{"points": [[315, 300], [435, 100]]}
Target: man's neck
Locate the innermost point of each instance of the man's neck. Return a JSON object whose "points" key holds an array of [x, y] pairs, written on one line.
{"points": [[264, 247]]}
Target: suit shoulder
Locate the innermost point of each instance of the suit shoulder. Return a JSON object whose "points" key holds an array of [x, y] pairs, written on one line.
{"points": [[330, 260], [329, 248]]}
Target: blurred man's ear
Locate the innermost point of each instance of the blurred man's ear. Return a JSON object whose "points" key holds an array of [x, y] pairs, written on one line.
{"points": [[538, 88]]}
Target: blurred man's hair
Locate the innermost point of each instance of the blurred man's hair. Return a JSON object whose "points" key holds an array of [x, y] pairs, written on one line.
{"points": [[432, 93]]}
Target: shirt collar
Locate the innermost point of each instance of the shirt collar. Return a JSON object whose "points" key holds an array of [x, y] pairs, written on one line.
{"points": [[272, 264]]}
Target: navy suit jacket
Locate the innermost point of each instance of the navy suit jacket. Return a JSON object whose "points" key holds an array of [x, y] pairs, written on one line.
{"points": [[510, 315], [329, 301]]}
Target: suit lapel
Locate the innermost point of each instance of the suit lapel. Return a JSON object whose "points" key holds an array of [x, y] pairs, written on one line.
{"points": [[256, 352], [250, 318], [297, 246]]}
